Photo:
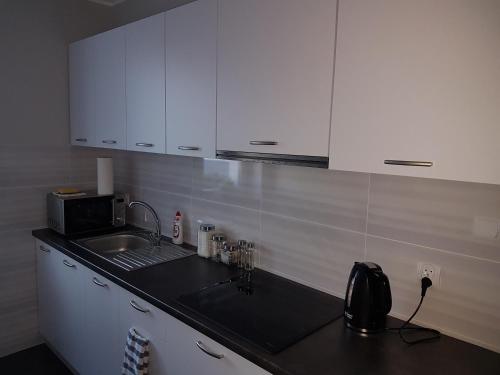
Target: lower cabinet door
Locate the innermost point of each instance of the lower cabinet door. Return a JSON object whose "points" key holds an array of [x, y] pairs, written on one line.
{"points": [[47, 314], [103, 345], [67, 308], [149, 322], [190, 352]]}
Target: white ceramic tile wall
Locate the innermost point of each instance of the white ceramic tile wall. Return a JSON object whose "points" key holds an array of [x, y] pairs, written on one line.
{"points": [[310, 225]]}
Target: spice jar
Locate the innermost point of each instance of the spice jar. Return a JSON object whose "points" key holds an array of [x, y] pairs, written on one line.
{"points": [[218, 241], [242, 246], [229, 255], [205, 233]]}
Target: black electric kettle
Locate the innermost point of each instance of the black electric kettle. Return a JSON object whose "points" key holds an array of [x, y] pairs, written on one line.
{"points": [[368, 298]]}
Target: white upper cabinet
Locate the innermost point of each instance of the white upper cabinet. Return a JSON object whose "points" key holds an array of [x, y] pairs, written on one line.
{"points": [[109, 68], [81, 95], [275, 66], [191, 68], [145, 84], [418, 81]]}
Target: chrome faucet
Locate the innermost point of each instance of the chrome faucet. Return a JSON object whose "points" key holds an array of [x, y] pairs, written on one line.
{"points": [[155, 237]]}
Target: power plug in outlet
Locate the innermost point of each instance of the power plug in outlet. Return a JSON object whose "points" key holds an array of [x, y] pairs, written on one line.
{"points": [[432, 271]]}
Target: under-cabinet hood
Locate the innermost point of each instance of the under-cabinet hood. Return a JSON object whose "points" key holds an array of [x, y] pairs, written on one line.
{"points": [[299, 160]]}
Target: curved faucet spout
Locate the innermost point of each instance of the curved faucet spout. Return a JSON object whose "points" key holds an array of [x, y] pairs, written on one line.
{"points": [[155, 237]]}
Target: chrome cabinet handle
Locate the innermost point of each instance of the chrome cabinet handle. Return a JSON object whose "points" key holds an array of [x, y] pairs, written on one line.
{"points": [[188, 148], [137, 307], [96, 281], [263, 143], [43, 248], [66, 263], [81, 139], [109, 142], [410, 163], [140, 144], [202, 347]]}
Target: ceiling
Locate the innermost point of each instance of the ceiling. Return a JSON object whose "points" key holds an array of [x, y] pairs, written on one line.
{"points": [[109, 3]]}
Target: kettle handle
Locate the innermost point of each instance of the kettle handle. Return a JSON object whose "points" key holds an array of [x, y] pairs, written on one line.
{"points": [[385, 293]]}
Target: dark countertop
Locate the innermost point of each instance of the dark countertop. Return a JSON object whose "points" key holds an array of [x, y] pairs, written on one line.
{"points": [[333, 349]]}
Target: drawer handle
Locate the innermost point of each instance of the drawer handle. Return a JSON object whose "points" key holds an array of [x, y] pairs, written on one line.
{"points": [[140, 144], [81, 139], [410, 163], [263, 143], [97, 282], [188, 148], [68, 264], [137, 307], [109, 142], [43, 248], [202, 347]]}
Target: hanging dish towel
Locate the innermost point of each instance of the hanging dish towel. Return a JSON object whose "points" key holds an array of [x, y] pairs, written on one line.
{"points": [[136, 358]]}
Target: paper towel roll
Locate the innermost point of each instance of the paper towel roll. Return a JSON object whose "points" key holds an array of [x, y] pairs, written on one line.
{"points": [[105, 176]]}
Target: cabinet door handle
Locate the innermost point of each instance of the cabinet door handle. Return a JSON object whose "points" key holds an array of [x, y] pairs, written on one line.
{"points": [[43, 248], [410, 163], [109, 142], [140, 144], [263, 143], [188, 148], [66, 263], [96, 281], [81, 139], [137, 307], [202, 347]]}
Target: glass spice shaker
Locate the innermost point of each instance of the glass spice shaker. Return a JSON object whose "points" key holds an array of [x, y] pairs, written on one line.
{"points": [[229, 254], [249, 264], [218, 241], [242, 246]]}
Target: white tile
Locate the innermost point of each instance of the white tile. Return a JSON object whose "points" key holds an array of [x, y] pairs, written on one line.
{"points": [[434, 213], [33, 165], [467, 301], [328, 197], [236, 222], [231, 182], [318, 255]]}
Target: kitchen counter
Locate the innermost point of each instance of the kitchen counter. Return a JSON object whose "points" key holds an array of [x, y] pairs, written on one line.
{"points": [[333, 349]]}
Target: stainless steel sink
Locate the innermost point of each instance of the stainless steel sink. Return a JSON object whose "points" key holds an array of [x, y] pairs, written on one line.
{"points": [[132, 250]]}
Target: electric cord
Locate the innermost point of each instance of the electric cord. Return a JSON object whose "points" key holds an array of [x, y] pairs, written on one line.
{"points": [[435, 334]]}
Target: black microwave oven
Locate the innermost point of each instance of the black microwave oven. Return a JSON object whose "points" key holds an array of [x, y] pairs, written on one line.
{"points": [[74, 215]]}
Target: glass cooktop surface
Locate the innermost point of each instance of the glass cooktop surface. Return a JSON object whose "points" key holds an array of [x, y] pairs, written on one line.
{"points": [[270, 312]]}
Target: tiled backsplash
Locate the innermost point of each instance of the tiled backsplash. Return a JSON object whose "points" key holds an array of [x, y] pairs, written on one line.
{"points": [[310, 225]]}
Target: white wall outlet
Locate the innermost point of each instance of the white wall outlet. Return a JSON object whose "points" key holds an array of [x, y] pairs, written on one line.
{"points": [[430, 270]]}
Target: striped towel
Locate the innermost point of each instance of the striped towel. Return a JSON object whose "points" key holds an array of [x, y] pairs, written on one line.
{"points": [[136, 358]]}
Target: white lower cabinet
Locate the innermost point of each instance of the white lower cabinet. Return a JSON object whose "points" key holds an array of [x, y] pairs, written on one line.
{"points": [[205, 356], [60, 293], [103, 340], [86, 318], [150, 323]]}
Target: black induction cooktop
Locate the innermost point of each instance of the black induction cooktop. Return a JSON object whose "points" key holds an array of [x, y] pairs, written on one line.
{"points": [[271, 312]]}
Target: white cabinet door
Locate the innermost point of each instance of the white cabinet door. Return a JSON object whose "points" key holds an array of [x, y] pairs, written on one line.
{"points": [[149, 322], [190, 352], [67, 297], [418, 81], [145, 84], [103, 341], [275, 66], [109, 68], [47, 313], [81, 92], [191, 68]]}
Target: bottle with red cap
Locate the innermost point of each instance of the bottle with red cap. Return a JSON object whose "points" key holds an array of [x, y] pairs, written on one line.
{"points": [[177, 232]]}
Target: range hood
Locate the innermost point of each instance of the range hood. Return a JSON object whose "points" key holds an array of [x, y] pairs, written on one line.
{"points": [[298, 160]]}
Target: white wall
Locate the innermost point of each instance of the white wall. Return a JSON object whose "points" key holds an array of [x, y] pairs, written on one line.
{"points": [[34, 151]]}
